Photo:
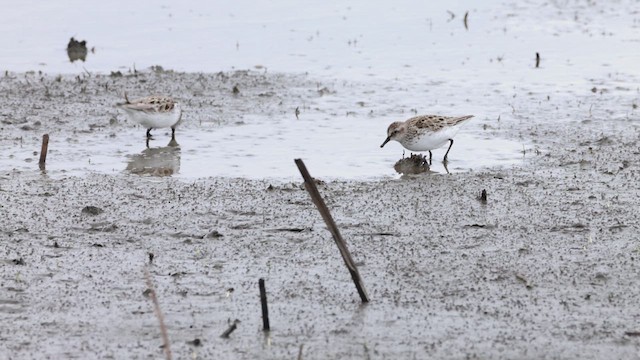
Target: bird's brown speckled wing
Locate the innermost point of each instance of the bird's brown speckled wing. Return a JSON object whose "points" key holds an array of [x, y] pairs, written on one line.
{"points": [[151, 104], [436, 123]]}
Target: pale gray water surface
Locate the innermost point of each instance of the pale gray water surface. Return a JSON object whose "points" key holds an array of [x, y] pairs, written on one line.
{"points": [[333, 150], [353, 39]]}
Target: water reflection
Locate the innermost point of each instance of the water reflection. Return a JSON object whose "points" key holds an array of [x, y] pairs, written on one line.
{"points": [[415, 164], [156, 161]]}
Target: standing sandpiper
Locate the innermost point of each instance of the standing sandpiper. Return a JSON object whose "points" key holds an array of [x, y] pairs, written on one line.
{"points": [[153, 112], [426, 132]]}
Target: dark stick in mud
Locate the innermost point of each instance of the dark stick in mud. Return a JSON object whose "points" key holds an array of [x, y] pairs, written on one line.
{"points": [[43, 150], [537, 60], [483, 196], [156, 308], [310, 184], [232, 328], [265, 309]]}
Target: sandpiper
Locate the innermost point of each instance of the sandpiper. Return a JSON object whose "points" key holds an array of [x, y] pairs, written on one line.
{"points": [[153, 112], [426, 132]]}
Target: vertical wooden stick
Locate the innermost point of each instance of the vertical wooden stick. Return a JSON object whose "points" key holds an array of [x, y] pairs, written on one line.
{"points": [[156, 307], [44, 149], [265, 309], [333, 228]]}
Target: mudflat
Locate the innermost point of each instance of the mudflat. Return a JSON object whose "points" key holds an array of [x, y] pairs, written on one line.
{"points": [[546, 267]]}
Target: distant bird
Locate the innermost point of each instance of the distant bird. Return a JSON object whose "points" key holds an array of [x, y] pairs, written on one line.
{"points": [[154, 112], [426, 132]]}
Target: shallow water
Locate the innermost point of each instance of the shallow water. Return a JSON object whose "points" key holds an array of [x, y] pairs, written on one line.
{"points": [[338, 149], [356, 39]]}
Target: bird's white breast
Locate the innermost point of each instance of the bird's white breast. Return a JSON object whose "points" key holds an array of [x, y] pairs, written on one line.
{"points": [[429, 140]]}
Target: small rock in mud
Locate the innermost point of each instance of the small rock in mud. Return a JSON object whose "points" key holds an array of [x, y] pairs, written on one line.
{"points": [[77, 50], [19, 261], [195, 342], [214, 234], [157, 69], [325, 91], [92, 210], [416, 164]]}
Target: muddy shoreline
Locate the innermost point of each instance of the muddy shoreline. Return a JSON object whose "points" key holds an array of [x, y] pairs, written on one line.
{"points": [[546, 268]]}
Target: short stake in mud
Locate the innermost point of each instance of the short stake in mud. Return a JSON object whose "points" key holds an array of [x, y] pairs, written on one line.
{"points": [[156, 308], [333, 228], [43, 150], [232, 328], [265, 308]]}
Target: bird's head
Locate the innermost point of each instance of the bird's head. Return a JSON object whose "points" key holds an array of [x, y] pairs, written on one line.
{"points": [[395, 132]]}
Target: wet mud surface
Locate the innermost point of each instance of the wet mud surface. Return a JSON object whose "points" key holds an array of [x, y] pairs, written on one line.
{"points": [[546, 267]]}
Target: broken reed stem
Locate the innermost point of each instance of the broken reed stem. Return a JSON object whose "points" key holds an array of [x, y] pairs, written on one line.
{"points": [[226, 333], [156, 308], [44, 149], [333, 228], [265, 308]]}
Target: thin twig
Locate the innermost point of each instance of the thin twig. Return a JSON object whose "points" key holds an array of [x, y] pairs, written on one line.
{"points": [[333, 228], [156, 308]]}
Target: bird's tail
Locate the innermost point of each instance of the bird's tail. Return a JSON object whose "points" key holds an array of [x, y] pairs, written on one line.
{"points": [[126, 100], [461, 119]]}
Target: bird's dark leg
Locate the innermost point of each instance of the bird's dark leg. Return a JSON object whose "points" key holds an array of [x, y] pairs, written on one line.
{"points": [[173, 133], [444, 163], [149, 133], [430, 156], [450, 145]]}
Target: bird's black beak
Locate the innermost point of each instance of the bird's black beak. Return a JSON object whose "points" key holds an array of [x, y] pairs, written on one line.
{"points": [[386, 141]]}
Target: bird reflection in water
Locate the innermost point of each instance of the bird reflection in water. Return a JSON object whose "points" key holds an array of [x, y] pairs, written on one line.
{"points": [[156, 161]]}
